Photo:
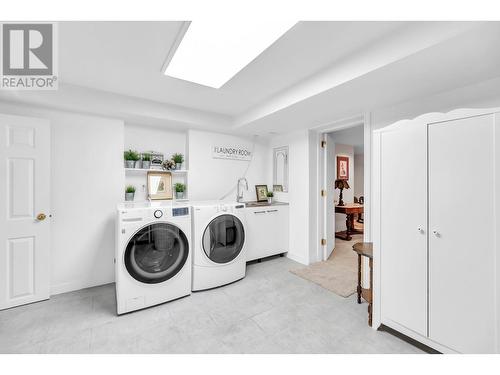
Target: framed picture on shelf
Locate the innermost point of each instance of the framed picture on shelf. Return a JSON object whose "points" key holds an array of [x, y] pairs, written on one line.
{"points": [[277, 188], [261, 192], [342, 168], [160, 185]]}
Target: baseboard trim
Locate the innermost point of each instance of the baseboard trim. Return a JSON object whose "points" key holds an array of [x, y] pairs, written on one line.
{"points": [[298, 258], [408, 339], [76, 285]]}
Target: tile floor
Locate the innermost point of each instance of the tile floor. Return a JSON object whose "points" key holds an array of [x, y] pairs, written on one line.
{"points": [[270, 311]]}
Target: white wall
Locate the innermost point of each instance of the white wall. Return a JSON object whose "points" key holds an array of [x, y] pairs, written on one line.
{"points": [[211, 178], [313, 196], [86, 184], [298, 191], [145, 138], [359, 174]]}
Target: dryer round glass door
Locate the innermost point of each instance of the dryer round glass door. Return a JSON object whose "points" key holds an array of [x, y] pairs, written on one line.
{"points": [[223, 239], [156, 253]]}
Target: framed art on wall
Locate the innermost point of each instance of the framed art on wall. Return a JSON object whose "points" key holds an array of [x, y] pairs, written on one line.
{"points": [[261, 192], [160, 185], [342, 167]]}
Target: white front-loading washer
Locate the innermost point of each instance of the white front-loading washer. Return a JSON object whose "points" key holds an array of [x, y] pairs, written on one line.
{"points": [[218, 243], [153, 255]]}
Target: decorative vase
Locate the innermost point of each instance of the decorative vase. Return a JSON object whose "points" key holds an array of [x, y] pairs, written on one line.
{"points": [[146, 164], [270, 200], [179, 195], [129, 163], [178, 166], [129, 197], [138, 164]]}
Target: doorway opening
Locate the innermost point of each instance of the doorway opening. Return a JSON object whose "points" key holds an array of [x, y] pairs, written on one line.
{"points": [[332, 264], [344, 201]]}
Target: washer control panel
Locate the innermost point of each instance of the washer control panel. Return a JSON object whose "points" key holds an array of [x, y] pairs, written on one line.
{"points": [[158, 214], [181, 211]]}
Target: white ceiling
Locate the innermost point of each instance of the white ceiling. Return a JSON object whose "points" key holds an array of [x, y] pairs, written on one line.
{"points": [[127, 57], [313, 74], [460, 61]]}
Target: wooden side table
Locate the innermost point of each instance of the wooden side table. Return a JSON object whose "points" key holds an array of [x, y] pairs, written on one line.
{"points": [[349, 209], [365, 249]]}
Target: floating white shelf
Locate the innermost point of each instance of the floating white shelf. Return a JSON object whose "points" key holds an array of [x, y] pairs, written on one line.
{"points": [[141, 170]]}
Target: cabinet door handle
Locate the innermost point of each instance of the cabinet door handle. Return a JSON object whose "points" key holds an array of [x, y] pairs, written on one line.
{"points": [[420, 230], [272, 211], [259, 212], [436, 233]]}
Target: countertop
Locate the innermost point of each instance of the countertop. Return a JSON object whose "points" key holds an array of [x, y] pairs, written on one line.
{"points": [[264, 204]]}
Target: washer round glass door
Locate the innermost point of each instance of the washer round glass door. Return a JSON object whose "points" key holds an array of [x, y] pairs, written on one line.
{"points": [[223, 239], [156, 253]]}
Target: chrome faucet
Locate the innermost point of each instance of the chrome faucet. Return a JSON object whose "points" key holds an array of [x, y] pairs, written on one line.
{"points": [[239, 195]]}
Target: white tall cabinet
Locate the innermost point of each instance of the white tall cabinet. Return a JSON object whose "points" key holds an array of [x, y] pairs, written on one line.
{"points": [[436, 229]]}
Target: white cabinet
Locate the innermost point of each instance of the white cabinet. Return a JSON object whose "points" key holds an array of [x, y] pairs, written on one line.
{"points": [[404, 195], [461, 234], [266, 231], [436, 243]]}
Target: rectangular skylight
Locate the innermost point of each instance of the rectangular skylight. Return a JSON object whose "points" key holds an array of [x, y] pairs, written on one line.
{"points": [[211, 53]]}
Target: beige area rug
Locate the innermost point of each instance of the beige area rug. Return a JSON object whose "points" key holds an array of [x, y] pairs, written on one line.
{"points": [[339, 273]]}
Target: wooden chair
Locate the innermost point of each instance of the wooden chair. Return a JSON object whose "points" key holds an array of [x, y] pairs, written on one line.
{"points": [[360, 216], [365, 249]]}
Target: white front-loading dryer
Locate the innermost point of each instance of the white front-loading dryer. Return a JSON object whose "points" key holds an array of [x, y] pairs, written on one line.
{"points": [[218, 243], [153, 254]]}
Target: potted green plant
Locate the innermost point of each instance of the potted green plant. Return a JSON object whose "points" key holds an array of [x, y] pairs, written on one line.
{"points": [[270, 196], [129, 193], [178, 160], [179, 190], [131, 158], [146, 161]]}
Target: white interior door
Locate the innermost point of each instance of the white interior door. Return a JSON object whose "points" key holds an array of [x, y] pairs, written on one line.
{"points": [[330, 192], [461, 241], [24, 194], [403, 226]]}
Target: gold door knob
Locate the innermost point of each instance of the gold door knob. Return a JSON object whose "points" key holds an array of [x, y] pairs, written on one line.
{"points": [[41, 217]]}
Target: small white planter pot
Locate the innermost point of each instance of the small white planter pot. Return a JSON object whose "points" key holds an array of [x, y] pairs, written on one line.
{"points": [[270, 200], [138, 164], [178, 166], [146, 164], [179, 195], [129, 163], [129, 197]]}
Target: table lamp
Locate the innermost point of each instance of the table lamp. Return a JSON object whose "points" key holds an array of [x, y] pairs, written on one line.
{"points": [[341, 184]]}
